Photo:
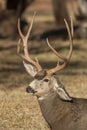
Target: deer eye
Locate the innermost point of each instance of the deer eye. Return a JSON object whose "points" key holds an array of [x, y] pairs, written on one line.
{"points": [[46, 80]]}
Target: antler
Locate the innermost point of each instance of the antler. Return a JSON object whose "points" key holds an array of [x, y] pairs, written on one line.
{"points": [[65, 60], [24, 39], [27, 57]]}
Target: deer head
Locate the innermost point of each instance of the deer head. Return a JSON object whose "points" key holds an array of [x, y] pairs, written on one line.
{"points": [[45, 80]]}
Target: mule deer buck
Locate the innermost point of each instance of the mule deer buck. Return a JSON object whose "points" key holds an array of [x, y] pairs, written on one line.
{"points": [[60, 110]]}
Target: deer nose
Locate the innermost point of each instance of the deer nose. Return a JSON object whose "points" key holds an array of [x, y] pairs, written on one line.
{"points": [[29, 90]]}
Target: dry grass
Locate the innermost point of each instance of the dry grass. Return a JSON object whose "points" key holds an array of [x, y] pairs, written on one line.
{"points": [[19, 110]]}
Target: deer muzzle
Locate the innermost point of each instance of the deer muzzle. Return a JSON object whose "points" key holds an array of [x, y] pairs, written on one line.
{"points": [[30, 90]]}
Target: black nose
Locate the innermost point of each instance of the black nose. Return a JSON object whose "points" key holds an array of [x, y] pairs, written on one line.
{"points": [[29, 90]]}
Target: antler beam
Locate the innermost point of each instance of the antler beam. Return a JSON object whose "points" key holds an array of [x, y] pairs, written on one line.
{"points": [[65, 60], [24, 39]]}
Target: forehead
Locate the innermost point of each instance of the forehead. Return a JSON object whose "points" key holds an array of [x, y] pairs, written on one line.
{"points": [[45, 79], [35, 81]]}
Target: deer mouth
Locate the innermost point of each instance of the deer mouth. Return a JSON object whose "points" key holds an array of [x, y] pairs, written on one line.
{"points": [[30, 90]]}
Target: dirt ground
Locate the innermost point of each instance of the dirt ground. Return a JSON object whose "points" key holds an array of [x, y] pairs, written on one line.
{"points": [[19, 110]]}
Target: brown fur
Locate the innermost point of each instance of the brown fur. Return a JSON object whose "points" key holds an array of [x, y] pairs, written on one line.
{"points": [[64, 115]]}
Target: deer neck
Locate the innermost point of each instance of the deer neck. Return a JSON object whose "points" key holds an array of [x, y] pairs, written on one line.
{"points": [[51, 102], [52, 106]]}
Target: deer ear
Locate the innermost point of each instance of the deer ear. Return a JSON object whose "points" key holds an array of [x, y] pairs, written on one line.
{"points": [[63, 94], [30, 69], [61, 91]]}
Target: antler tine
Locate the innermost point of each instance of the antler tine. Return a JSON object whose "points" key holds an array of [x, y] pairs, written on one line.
{"points": [[26, 55], [72, 30], [55, 52], [25, 38], [29, 30], [70, 33], [66, 60], [21, 35]]}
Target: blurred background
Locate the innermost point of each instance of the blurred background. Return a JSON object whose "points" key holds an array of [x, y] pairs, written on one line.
{"points": [[19, 110]]}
